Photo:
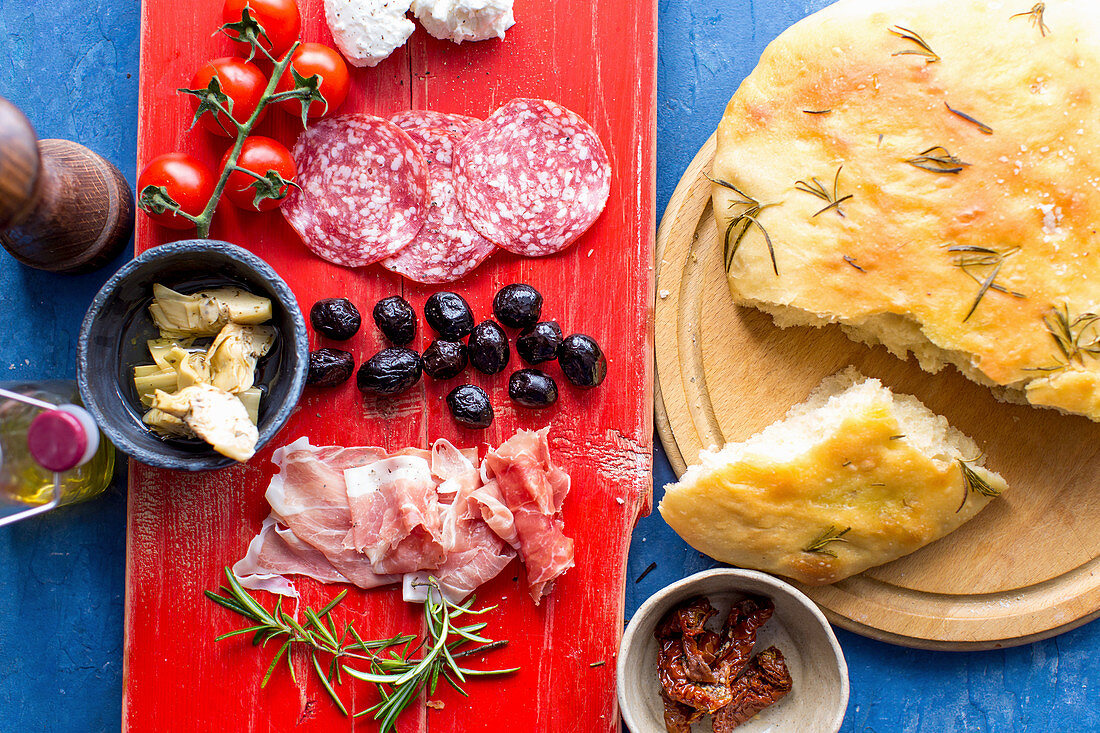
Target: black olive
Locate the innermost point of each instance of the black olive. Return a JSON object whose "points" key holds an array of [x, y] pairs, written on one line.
{"points": [[518, 305], [532, 388], [539, 342], [489, 351], [470, 406], [336, 318], [391, 371], [329, 367], [449, 314], [445, 359], [582, 361], [396, 319]]}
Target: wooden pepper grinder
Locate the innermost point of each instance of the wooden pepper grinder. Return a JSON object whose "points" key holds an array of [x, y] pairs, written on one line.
{"points": [[63, 208]]}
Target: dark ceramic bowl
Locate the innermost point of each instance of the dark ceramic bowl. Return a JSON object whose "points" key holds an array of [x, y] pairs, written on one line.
{"points": [[115, 330]]}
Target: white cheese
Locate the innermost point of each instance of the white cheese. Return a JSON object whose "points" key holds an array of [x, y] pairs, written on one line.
{"points": [[368, 31], [464, 20]]}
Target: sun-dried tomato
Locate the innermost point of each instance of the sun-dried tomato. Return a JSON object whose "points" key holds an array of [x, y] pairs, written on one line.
{"points": [[679, 687], [745, 619], [766, 681], [678, 717]]}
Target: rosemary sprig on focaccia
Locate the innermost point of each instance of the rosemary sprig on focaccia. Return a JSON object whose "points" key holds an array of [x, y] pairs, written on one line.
{"points": [[815, 188], [820, 544], [923, 49], [972, 256], [1075, 336], [1036, 16], [740, 225], [973, 481], [937, 159]]}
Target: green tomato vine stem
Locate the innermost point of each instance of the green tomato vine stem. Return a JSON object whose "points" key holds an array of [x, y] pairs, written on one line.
{"points": [[206, 218]]}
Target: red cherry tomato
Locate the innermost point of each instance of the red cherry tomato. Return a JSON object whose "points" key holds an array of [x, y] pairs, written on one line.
{"points": [[241, 81], [259, 155], [280, 20], [187, 181], [316, 58]]}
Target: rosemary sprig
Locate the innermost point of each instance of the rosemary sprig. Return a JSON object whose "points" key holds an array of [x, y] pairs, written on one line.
{"points": [[937, 159], [400, 677], [1036, 16], [322, 637], [314, 635], [739, 227], [815, 188], [1075, 336], [973, 481], [821, 544], [982, 127], [971, 256], [923, 49]]}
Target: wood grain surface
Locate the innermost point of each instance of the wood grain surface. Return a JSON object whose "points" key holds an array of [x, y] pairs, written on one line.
{"points": [[598, 59], [1023, 569]]}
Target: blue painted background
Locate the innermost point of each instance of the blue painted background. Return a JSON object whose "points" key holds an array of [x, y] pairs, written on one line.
{"points": [[72, 66]]}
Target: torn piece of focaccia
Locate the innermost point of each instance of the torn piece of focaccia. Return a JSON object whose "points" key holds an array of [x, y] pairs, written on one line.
{"points": [[854, 477]]}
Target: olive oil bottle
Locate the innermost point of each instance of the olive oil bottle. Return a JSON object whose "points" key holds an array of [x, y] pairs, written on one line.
{"points": [[51, 452]]}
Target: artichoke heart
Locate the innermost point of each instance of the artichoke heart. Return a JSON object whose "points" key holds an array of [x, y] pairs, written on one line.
{"points": [[233, 355], [214, 415], [240, 305], [169, 425], [184, 316], [191, 367], [160, 348]]}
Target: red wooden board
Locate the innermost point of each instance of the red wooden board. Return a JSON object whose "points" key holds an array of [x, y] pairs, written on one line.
{"points": [[596, 58]]}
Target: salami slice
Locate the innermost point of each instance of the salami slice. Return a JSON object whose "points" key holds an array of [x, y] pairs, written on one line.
{"points": [[437, 133], [364, 189], [533, 177], [447, 248]]}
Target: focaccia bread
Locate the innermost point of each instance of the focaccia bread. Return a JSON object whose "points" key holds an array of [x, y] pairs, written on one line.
{"points": [[927, 173], [854, 477]]}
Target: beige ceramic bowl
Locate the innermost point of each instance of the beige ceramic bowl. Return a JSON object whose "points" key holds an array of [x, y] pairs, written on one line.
{"points": [[819, 698]]}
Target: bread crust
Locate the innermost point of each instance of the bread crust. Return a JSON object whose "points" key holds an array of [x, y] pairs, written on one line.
{"points": [[1007, 195]]}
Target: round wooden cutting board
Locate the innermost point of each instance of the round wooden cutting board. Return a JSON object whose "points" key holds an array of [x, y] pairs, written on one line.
{"points": [[1025, 568]]}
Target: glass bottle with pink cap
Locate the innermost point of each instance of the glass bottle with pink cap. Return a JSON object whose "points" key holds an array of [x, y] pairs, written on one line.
{"points": [[51, 452]]}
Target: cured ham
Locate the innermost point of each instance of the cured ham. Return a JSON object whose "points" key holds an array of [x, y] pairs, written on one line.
{"points": [[395, 516], [276, 552], [309, 497], [476, 553], [368, 517], [533, 489]]}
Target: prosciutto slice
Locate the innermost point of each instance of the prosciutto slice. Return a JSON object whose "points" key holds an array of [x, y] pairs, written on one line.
{"points": [[533, 489], [275, 553], [309, 497], [395, 516], [476, 553]]}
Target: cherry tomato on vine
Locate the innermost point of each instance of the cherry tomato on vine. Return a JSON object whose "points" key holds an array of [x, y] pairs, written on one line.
{"points": [[279, 18], [240, 81], [184, 179], [316, 58], [259, 154]]}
